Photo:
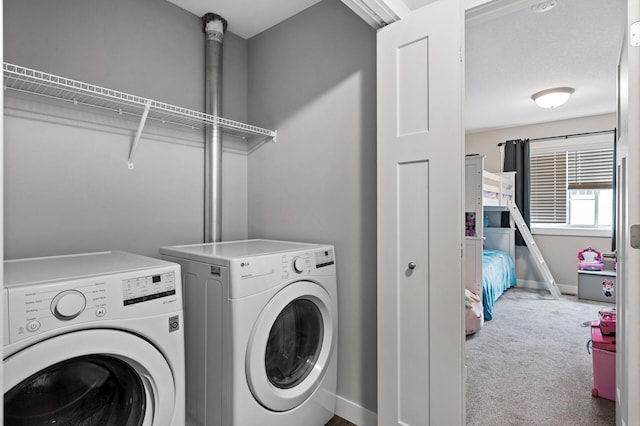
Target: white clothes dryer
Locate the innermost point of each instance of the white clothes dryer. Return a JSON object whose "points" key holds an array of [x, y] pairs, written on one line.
{"points": [[93, 339], [261, 332]]}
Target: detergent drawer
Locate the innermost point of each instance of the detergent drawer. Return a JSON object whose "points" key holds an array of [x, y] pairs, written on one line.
{"points": [[597, 285]]}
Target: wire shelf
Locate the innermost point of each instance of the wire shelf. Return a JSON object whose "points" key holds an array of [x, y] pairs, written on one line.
{"points": [[26, 80]]}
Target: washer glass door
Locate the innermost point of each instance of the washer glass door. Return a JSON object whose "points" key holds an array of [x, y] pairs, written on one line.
{"points": [[294, 343], [291, 344], [89, 377], [88, 390]]}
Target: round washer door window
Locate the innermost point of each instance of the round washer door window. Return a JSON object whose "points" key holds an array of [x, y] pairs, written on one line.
{"points": [[89, 377], [294, 343], [290, 346], [88, 390]]}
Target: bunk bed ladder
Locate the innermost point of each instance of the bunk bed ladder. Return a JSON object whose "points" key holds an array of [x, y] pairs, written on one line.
{"points": [[533, 248]]}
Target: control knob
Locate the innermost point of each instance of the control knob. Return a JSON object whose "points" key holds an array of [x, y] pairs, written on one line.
{"points": [[298, 264], [68, 304]]}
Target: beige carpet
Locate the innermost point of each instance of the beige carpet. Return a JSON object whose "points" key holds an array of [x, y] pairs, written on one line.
{"points": [[529, 365]]}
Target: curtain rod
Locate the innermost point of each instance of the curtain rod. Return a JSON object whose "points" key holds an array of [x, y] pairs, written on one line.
{"points": [[574, 135]]}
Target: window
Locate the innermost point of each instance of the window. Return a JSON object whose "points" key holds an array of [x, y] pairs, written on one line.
{"points": [[572, 182]]}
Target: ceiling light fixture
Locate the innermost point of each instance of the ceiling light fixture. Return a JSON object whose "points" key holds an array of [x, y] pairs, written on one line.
{"points": [[552, 98]]}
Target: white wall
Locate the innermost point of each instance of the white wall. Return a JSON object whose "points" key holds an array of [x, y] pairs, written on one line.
{"points": [[67, 186], [313, 79], [560, 252]]}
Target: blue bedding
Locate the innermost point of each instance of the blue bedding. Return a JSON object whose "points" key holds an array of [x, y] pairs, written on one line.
{"points": [[498, 274]]}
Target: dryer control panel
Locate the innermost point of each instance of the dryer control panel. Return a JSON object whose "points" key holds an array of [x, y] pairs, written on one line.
{"points": [[262, 272], [306, 262]]}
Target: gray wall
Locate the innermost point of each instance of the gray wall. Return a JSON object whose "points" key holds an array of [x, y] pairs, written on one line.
{"points": [[313, 78], [67, 187], [146, 47], [560, 252]]}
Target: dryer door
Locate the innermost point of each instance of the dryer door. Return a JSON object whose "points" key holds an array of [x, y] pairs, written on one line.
{"points": [[89, 377], [290, 346]]}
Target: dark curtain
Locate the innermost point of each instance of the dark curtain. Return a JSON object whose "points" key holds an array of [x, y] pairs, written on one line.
{"points": [[516, 159]]}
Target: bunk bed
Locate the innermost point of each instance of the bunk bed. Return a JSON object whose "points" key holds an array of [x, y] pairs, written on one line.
{"points": [[489, 246]]}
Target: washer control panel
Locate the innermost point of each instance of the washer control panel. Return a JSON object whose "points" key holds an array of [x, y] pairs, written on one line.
{"points": [[68, 304], [298, 264], [44, 307], [38, 308], [324, 258], [141, 289]]}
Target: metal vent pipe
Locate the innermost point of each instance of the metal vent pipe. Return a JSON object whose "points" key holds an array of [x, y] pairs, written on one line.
{"points": [[214, 27]]}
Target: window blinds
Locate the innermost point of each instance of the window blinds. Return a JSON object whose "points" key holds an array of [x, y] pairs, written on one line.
{"points": [[580, 163], [548, 188], [590, 169]]}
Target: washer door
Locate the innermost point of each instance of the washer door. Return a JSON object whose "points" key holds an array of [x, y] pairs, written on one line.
{"points": [[290, 346], [89, 377]]}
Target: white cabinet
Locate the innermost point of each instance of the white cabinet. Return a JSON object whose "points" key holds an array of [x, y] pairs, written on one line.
{"points": [[597, 285]]}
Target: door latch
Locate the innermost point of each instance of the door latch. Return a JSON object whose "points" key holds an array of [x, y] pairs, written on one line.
{"points": [[634, 34], [635, 236]]}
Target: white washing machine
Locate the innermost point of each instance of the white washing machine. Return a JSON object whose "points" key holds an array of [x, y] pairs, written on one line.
{"points": [[93, 339], [261, 332]]}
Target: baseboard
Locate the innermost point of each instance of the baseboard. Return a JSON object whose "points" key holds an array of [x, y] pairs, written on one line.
{"points": [[354, 413], [538, 285], [568, 289]]}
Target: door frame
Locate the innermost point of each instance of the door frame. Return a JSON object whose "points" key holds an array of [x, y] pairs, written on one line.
{"points": [[631, 384], [628, 303], [2, 295], [628, 384]]}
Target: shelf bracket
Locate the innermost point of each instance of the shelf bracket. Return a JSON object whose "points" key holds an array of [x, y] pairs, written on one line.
{"points": [[136, 140], [255, 142]]}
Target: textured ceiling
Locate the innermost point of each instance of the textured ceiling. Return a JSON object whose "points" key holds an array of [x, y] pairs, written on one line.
{"points": [[510, 56], [511, 53]]}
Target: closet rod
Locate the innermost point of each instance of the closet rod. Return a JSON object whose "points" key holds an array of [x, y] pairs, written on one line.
{"points": [[574, 135]]}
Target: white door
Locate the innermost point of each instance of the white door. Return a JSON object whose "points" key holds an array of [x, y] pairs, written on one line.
{"points": [[420, 163], [628, 352]]}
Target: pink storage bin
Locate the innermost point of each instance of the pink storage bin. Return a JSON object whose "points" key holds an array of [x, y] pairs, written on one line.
{"points": [[604, 374], [601, 341], [607, 319]]}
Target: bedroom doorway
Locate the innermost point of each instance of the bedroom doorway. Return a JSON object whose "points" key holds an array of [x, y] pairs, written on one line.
{"points": [[503, 16]]}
